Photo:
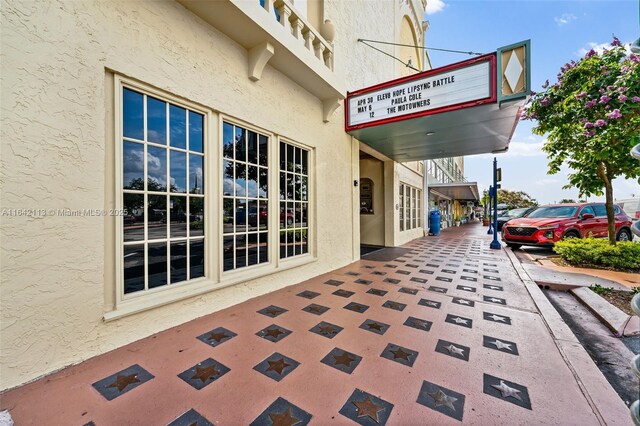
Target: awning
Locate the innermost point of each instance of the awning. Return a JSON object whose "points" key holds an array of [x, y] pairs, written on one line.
{"points": [[461, 191], [457, 110]]}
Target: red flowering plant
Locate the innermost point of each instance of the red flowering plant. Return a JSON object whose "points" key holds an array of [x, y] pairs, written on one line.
{"points": [[591, 118]]}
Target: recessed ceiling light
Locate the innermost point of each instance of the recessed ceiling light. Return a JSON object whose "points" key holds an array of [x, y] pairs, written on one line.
{"points": [[430, 133]]}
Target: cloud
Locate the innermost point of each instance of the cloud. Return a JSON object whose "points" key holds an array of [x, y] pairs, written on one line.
{"points": [[520, 149], [434, 6], [600, 47], [565, 18]]}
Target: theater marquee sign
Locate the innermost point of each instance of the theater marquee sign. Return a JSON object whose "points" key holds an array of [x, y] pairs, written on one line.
{"points": [[449, 87]]}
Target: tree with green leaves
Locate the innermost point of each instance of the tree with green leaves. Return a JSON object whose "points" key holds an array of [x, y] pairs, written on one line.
{"points": [[515, 199], [567, 201], [591, 117]]}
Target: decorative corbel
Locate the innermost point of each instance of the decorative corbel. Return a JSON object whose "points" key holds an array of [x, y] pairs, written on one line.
{"points": [[329, 106], [258, 58]]}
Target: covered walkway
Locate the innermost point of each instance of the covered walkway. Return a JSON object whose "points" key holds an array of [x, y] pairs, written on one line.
{"points": [[440, 332]]}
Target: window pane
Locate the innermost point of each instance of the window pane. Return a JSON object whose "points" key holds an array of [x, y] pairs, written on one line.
{"points": [[241, 215], [178, 217], [264, 150], [241, 251], [600, 210], [283, 186], [227, 215], [252, 249], [178, 127], [252, 147], [283, 215], [196, 132], [252, 182], [196, 216], [290, 158], [241, 179], [133, 166], [303, 215], [283, 244], [156, 216], [240, 139], [196, 259], [196, 173], [227, 140], [178, 165], [157, 267], [290, 187], [228, 253], [263, 247], [283, 156], [263, 182], [304, 161], [133, 268], [133, 220], [227, 177], [156, 169], [156, 121], [263, 217], [132, 114], [298, 166], [303, 189], [178, 262], [252, 218], [304, 246]]}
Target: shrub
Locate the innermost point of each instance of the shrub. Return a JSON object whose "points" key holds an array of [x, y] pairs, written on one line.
{"points": [[598, 252]]}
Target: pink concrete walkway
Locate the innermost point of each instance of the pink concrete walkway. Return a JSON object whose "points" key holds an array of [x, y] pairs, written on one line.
{"points": [[446, 333]]}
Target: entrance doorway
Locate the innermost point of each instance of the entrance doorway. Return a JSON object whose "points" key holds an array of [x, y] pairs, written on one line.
{"points": [[372, 206]]}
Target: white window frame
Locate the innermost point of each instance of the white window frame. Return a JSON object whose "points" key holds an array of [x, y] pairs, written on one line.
{"points": [[410, 209]]}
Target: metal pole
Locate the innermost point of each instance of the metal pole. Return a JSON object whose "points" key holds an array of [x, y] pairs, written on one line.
{"points": [[495, 244], [490, 231]]}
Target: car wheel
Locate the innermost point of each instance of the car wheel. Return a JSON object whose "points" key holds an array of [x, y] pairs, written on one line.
{"points": [[570, 234], [623, 235], [514, 246]]}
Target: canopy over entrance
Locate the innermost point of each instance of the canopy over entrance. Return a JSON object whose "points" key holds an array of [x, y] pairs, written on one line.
{"points": [[461, 191], [471, 107]]}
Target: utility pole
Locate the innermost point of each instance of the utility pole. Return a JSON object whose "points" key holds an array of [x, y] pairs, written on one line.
{"points": [[495, 244]]}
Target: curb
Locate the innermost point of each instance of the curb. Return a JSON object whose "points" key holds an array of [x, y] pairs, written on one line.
{"points": [[603, 399], [611, 316]]}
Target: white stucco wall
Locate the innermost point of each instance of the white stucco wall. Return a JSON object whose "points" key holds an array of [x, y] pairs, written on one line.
{"points": [[55, 127]]}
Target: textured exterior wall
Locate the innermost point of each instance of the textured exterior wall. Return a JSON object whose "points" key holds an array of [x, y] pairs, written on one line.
{"points": [[56, 113]]}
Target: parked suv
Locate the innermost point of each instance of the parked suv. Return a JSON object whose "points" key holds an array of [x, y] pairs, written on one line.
{"points": [[548, 224], [513, 214]]}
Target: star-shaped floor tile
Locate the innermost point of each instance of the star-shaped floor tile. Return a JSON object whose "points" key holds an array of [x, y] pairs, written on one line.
{"points": [[388, 265], [442, 400], [315, 309], [454, 350], [363, 282], [466, 278], [495, 300], [377, 292], [366, 409], [418, 280], [466, 288], [449, 271], [374, 326], [217, 336], [471, 271], [342, 360], [403, 272], [397, 306], [411, 265], [492, 287], [356, 307], [463, 302], [399, 354], [426, 271], [277, 366], [273, 333], [272, 311], [430, 303], [391, 280], [307, 294], [418, 323], [334, 282], [122, 382], [343, 293], [437, 289], [282, 413], [191, 418], [379, 273], [491, 270], [507, 391], [458, 320], [355, 274], [204, 373], [408, 290], [496, 318], [326, 329], [445, 279], [500, 345], [491, 278]]}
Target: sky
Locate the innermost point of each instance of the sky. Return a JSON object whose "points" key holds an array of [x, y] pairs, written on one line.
{"points": [[559, 31]]}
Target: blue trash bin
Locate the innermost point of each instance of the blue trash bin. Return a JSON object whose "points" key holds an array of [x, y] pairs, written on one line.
{"points": [[434, 222]]}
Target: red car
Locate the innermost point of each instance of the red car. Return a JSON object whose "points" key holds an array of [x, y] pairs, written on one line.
{"points": [[548, 224]]}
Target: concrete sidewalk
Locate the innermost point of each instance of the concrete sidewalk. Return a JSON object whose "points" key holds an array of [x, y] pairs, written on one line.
{"points": [[443, 333]]}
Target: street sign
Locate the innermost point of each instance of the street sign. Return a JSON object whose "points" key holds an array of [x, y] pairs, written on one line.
{"points": [[499, 175]]}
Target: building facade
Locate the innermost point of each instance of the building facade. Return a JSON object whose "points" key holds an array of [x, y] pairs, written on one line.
{"points": [[165, 160]]}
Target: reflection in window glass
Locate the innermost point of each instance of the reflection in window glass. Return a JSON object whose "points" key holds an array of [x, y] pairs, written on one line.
{"points": [[410, 207], [244, 202], [294, 225], [163, 193]]}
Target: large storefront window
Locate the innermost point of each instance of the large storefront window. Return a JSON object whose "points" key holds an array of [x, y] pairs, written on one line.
{"points": [[410, 207], [162, 170], [294, 202], [245, 197]]}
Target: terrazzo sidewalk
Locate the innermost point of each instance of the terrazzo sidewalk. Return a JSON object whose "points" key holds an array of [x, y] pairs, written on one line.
{"points": [[445, 333]]}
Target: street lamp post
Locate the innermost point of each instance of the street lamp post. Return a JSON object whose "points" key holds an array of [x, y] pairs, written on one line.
{"points": [[490, 231], [495, 244]]}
